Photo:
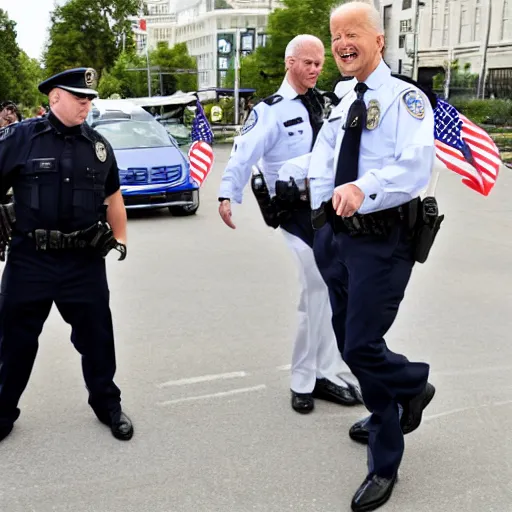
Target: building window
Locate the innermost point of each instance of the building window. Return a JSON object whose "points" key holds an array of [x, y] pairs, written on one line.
{"points": [[401, 41], [506, 27], [465, 24], [406, 4], [405, 26]]}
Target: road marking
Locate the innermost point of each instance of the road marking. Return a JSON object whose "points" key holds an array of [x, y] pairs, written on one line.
{"points": [[214, 395], [466, 409], [203, 378]]}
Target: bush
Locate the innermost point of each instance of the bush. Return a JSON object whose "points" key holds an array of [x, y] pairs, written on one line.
{"points": [[494, 112]]}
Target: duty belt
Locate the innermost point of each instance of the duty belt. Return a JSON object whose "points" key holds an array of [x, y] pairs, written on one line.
{"points": [[375, 224], [99, 236]]}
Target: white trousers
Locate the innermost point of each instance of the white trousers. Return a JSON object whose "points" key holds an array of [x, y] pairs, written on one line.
{"points": [[315, 352]]}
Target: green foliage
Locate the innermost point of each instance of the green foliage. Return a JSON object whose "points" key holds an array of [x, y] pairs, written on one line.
{"points": [[492, 112], [222, 4], [298, 17], [459, 79], [19, 74], [132, 84], [88, 33]]}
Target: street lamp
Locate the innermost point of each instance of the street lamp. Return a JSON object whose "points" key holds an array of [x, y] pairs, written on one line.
{"points": [[419, 3]]}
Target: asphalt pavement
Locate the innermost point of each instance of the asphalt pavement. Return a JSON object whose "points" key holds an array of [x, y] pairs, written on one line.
{"points": [[205, 319]]}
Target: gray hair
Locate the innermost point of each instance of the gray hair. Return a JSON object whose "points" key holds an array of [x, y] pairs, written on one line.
{"points": [[298, 42], [372, 13]]}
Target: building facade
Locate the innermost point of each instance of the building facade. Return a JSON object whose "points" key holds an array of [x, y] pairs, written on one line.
{"points": [[211, 29], [449, 30]]}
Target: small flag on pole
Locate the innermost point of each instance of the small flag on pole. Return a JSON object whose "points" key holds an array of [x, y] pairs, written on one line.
{"points": [[465, 148], [200, 156]]}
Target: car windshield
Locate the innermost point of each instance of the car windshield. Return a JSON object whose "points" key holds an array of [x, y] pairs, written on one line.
{"points": [[130, 134]]}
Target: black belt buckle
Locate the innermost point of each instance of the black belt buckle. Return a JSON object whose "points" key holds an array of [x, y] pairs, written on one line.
{"points": [[41, 239], [318, 217]]}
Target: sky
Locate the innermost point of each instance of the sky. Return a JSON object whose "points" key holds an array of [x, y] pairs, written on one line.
{"points": [[33, 19]]}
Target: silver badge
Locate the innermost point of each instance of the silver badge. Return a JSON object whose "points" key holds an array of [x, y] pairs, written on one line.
{"points": [[90, 78], [101, 151]]}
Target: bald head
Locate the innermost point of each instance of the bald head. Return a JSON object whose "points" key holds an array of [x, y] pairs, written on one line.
{"points": [[360, 8], [304, 59], [357, 38]]}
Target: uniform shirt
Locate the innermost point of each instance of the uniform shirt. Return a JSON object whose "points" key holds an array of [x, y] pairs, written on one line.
{"points": [[395, 157], [272, 134], [60, 176]]}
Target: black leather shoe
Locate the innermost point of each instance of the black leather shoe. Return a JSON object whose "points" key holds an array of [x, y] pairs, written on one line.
{"points": [[5, 431], [121, 427], [413, 410], [327, 390], [359, 432], [302, 403], [373, 493]]}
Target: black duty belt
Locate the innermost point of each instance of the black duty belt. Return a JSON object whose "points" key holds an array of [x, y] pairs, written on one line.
{"points": [[374, 224]]}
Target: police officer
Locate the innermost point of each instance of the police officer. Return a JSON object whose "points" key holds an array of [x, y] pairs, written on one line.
{"points": [[65, 185], [281, 127], [371, 160]]}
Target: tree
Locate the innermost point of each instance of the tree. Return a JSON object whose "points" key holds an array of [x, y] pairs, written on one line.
{"points": [[89, 33], [9, 57], [129, 84], [264, 70]]}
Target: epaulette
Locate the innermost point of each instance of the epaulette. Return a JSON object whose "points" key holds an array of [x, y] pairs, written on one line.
{"points": [[272, 100], [432, 98]]}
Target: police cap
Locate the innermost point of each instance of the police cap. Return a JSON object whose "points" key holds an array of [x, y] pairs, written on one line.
{"points": [[79, 81]]}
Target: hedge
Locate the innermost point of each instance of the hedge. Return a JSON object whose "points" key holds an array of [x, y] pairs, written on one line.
{"points": [[486, 112]]}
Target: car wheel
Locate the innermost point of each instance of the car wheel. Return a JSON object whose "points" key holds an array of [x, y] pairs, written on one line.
{"points": [[188, 209]]}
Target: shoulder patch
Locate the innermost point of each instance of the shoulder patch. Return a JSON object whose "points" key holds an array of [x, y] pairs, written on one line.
{"points": [[6, 132], [250, 123], [414, 103], [272, 100]]}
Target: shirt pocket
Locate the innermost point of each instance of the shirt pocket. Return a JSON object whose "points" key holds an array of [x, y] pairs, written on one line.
{"points": [[37, 182], [297, 139]]}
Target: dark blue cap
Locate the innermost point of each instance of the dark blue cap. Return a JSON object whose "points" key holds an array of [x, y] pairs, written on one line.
{"points": [[77, 81]]}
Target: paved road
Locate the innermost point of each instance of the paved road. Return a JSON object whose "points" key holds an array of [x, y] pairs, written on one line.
{"points": [[204, 321]]}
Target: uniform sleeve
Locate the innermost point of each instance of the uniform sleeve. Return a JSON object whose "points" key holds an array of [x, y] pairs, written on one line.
{"points": [[112, 183], [10, 138], [406, 177], [321, 166], [259, 134]]}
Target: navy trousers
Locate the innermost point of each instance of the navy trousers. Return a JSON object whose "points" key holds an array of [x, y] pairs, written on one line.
{"points": [[76, 282], [367, 278]]}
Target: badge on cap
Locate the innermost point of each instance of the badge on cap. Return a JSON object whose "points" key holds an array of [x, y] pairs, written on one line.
{"points": [[373, 115], [414, 104], [90, 78], [101, 151], [250, 123]]}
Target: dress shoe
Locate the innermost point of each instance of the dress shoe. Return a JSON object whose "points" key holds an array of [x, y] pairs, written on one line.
{"points": [[302, 403], [373, 493], [120, 425], [359, 432], [5, 431], [413, 410], [327, 390]]}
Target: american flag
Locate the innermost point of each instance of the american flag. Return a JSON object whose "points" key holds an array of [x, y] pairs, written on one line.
{"points": [[465, 148], [200, 127], [200, 156]]}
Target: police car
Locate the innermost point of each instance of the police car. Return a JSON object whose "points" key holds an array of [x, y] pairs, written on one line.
{"points": [[153, 172]]}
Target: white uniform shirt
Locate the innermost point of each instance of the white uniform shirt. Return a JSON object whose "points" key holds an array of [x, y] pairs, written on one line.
{"points": [[271, 135], [395, 157]]}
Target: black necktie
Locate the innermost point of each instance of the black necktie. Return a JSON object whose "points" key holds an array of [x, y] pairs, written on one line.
{"points": [[348, 159], [315, 111]]}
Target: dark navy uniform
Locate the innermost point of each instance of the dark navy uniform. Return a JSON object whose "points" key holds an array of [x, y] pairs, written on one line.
{"points": [[60, 178]]}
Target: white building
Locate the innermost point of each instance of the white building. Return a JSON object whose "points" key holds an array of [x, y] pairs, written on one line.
{"points": [[210, 33], [449, 30]]}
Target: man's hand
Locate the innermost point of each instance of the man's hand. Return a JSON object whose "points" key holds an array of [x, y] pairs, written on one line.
{"points": [[347, 199], [225, 213]]}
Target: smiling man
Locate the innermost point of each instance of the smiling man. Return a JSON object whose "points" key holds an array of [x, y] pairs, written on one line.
{"points": [[372, 159], [64, 178]]}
